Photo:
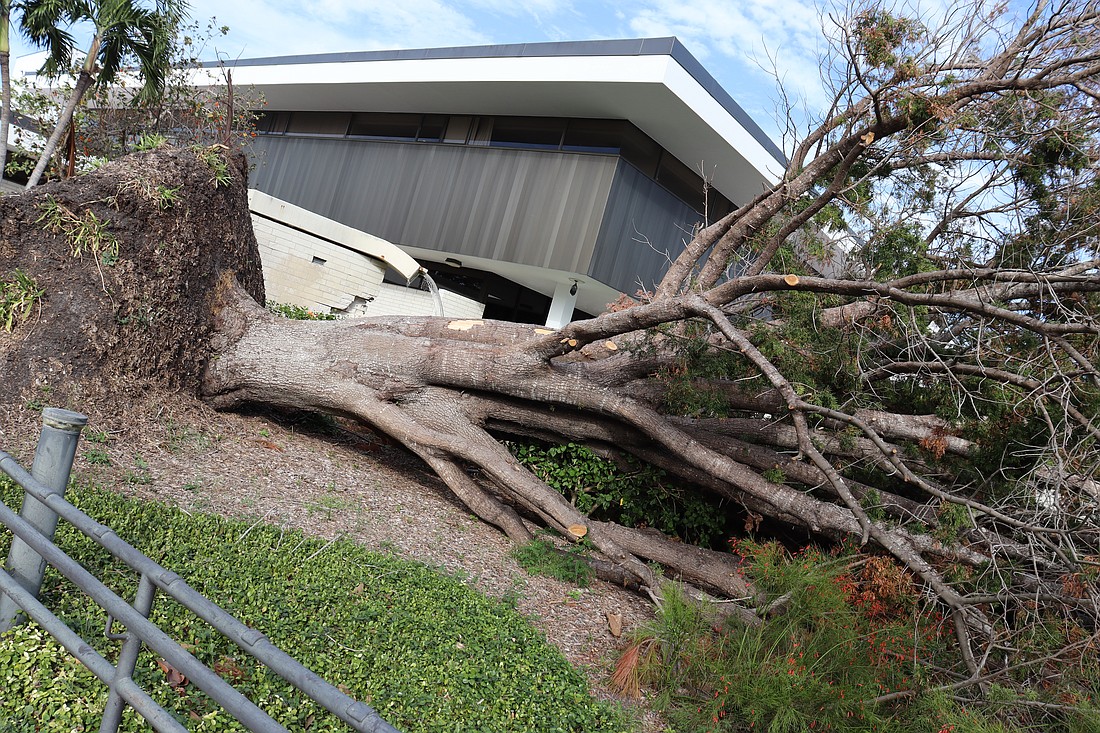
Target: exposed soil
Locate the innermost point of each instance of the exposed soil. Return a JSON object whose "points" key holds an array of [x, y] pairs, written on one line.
{"points": [[128, 258], [332, 482]]}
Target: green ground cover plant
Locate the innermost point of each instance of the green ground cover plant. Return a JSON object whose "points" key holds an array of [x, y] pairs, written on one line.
{"points": [[298, 313], [18, 295], [425, 650]]}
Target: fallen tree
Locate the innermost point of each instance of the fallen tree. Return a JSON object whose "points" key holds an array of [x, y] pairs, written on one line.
{"points": [[934, 397]]}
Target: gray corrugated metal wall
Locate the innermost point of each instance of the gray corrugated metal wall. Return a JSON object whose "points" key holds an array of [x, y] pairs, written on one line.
{"points": [[591, 214], [542, 209], [644, 227]]}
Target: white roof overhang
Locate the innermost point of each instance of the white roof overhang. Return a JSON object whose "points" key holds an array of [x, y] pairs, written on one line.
{"points": [[660, 93]]}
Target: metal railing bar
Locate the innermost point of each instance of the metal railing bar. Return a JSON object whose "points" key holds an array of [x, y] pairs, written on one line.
{"points": [[358, 715], [127, 658], [161, 720], [200, 675], [148, 708]]}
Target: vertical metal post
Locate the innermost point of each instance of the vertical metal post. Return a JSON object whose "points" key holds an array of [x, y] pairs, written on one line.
{"points": [[53, 461], [127, 658]]}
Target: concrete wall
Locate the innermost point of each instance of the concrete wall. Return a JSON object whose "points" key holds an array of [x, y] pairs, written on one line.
{"points": [[393, 300], [313, 273]]}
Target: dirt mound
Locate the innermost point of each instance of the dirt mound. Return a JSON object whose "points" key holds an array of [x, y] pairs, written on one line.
{"points": [[127, 260]]}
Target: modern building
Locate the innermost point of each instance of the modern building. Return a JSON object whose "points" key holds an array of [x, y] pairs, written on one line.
{"points": [[532, 180]]}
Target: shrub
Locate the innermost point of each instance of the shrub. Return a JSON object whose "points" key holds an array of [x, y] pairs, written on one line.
{"points": [[540, 557], [298, 313], [819, 664], [637, 496]]}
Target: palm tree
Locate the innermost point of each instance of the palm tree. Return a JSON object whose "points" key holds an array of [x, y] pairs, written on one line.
{"points": [[125, 33], [5, 78], [55, 40]]}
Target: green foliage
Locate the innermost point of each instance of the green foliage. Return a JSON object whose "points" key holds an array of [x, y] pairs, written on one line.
{"points": [[897, 252], [164, 197], [848, 629], [113, 121], [815, 666], [18, 294], [97, 457], [953, 519], [692, 398], [299, 313], [882, 36], [636, 495], [424, 649], [213, 157], [45, 689], [775, 475], [540, 557], [150, 141], [83, 231]]}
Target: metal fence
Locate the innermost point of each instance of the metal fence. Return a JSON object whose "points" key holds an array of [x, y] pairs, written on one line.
{"points": [[33, 548]]}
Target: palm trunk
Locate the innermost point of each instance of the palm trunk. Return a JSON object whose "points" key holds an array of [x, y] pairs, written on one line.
{"points": [[83, 83], [5, 81], [5, 99]]}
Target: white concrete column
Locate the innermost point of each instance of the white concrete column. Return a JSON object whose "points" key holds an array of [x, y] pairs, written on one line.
{"points": [[561, 307]]}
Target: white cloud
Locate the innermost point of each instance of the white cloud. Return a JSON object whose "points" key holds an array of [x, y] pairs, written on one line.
{"points": [[537, 8], [751, 33], [266, 28]]}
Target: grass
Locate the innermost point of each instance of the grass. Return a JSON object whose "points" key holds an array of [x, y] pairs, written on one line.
{"points": [[425, 650], [84, 231], [18, 295], [213, 157]]}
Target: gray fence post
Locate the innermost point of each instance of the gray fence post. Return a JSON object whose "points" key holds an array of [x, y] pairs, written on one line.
{"points": [[53, 461]]}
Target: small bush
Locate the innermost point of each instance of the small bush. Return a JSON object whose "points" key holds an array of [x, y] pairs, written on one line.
{"points": [[640, 496], [848, 631], [298, 313]]}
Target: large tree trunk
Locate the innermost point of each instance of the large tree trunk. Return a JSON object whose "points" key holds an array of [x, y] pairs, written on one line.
{"points": [[413, 379]]}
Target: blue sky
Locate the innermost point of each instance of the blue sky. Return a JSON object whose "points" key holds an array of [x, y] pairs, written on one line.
{"points": [[738, 41]]}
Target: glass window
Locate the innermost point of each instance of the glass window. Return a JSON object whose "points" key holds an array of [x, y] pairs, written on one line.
{"points": [[319, 123], [273, 122], [641, 152], [458, 129], [431, 128], [684, 183], [717, 205], [594, 136], [481, 131], [385, 126], [543, 133]]}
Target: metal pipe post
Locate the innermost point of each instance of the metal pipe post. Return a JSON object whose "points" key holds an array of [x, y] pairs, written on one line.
{"points": [[53, 462]]}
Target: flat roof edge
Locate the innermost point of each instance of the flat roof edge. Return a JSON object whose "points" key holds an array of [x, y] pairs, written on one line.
{"points": [[664, 46]]}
